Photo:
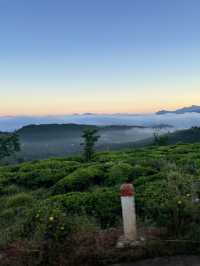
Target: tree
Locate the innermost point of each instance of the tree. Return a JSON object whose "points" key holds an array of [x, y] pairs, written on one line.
{"points": [[90, 138], [160, 140], [9, 144]]}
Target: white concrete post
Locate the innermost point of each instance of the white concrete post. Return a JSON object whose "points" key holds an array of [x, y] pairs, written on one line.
{"points": [[128, 212]]}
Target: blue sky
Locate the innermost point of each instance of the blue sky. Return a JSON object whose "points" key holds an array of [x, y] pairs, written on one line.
{"points": [[59, 57]]}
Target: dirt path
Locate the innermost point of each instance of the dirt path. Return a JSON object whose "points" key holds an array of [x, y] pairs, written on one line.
{"points": [[167, 261]]}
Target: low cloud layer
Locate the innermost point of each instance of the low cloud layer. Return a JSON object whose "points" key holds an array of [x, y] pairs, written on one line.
{"points": [[177, 121]]}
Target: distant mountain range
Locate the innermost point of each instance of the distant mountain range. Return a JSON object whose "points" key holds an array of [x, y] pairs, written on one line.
{"points": [[190, 109]]}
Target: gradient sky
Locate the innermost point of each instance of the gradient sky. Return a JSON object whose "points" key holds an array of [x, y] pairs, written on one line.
{"points": [[61, 56]]}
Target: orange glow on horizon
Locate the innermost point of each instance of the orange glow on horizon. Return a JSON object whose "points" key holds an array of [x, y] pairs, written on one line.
{"points": [[100, 102], [62, 110]]}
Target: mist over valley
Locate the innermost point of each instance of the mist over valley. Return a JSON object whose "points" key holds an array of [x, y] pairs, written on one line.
{"points": [[47, 136], [178, 121]]}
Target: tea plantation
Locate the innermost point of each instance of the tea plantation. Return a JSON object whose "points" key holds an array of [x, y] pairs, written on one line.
{"points": [[52, 199]]}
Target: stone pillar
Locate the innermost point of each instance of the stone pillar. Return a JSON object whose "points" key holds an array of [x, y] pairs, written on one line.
{"points": [[128, 212]]}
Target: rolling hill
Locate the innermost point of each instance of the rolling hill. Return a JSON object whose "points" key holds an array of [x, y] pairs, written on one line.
{"points": [[191, 135], [54, 140], [43, 141]]}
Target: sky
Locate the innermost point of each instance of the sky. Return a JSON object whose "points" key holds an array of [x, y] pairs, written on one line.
{"points": [[108, 56]]}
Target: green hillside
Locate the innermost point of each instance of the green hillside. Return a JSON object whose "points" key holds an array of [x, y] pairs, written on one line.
{"points": [[53, 200], [54, 140], [44, 141], [191, 135]]}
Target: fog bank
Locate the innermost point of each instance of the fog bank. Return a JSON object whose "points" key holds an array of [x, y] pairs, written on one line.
{"points": [[179, 121]]}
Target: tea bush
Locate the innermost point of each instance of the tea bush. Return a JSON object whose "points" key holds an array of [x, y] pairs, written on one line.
{"points": [[169, 202], [49, 220], [44, 173], [80, 179], [21, 199], [119, 173], [166, 181], [102, 204], [11, 189]]}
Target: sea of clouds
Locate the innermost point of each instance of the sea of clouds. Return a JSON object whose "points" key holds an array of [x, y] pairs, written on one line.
{"points": [[178, 121]]}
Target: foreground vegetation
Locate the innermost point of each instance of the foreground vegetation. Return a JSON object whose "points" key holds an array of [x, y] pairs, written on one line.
{"points": [[53, 202]]}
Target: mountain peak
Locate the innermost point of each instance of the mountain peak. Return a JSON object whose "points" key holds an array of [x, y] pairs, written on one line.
{"points": [[190, 109]]}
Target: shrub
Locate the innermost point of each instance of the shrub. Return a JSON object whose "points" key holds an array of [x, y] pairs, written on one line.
{"points": [[102, 204], [49, 220], [139, 170], [119, 173], [168, 202], [45, 173], [20, 199], [107, 157], [11, 189], [13, 217], [155, 165], [144, 180], [23, 217], [80, 179]]}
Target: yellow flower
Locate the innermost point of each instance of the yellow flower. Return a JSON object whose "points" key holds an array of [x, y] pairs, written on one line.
{"points": [[179, 202], [62, 228], [188, 195], [51, 218]]}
